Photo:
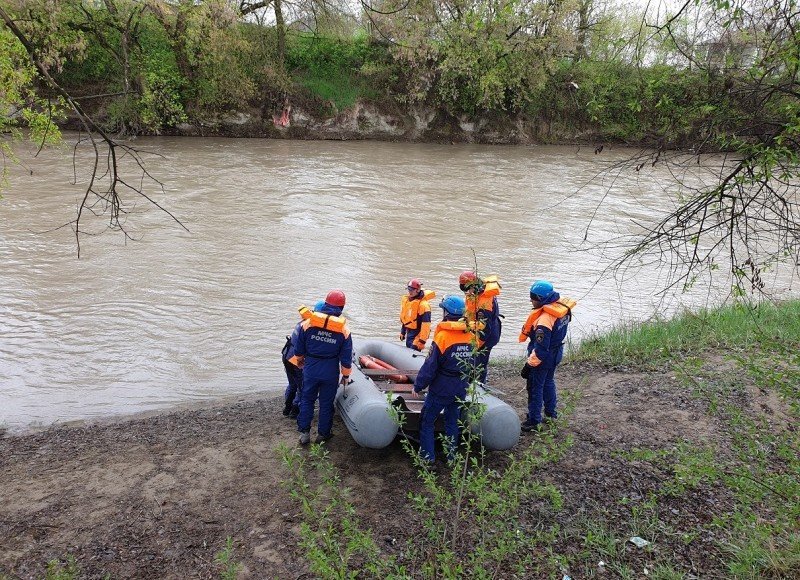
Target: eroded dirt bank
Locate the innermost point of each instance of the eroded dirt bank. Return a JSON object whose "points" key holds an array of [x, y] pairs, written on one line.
{"points": [[157, 497]]}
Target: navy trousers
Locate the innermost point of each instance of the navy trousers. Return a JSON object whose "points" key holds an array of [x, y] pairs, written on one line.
{"points": [[541, 389], [433, 406], [325, 390]]}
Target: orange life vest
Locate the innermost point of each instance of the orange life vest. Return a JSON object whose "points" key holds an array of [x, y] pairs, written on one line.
{"points": [[555, 310], [446, 332], [410, 309], [491, 286], [325, 321], [484, 300]]}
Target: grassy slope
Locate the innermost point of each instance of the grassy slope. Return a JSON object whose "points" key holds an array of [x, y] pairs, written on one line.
{"points": [[729, 358], [739, 329]]}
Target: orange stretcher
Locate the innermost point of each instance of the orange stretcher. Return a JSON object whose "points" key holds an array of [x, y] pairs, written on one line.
{"points": [[373, 363]]}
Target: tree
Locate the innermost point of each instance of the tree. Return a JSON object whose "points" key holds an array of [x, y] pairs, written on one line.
{"points": [[748, 221], [46, 37], [475, 57], [20, 102]]}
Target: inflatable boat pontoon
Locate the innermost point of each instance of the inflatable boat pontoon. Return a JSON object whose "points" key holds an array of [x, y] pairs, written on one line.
{"points": [[365, 405]]}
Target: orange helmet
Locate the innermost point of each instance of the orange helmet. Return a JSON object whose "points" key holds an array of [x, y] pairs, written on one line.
{"points": [[415, 284], [335, 298]]}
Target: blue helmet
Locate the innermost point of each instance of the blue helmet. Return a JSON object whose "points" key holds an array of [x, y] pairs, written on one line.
{"points": [[541, 290], [453, 305], [319, 305]]}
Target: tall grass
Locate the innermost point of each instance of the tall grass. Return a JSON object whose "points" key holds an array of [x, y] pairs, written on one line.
{"points": [[736, 327], [341, 91]]}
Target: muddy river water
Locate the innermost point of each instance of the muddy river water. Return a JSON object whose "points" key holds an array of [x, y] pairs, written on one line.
{"points": [[170, 317]]}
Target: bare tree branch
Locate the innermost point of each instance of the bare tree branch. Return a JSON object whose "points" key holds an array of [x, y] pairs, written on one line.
{"points": [[108, 199]]}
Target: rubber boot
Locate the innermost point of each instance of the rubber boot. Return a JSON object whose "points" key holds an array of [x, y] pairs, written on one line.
{"points": [[323, 438]]}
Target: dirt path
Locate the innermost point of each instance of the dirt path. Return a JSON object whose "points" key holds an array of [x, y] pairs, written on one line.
{"points": [[157, 497]]}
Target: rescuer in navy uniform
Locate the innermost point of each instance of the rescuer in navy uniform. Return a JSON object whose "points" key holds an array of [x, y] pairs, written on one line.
{"points": [[294, 375], [445, 374], [482, 306], [415, 315], [546, 329], [323, 349]]}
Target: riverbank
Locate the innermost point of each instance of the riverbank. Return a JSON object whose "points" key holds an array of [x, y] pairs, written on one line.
{"points": [[367, 121], [690, 449]]}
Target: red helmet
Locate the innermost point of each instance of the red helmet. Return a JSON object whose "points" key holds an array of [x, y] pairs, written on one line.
{"points": [[415, 284], [335, 298], [470, 281], [467, 277]]}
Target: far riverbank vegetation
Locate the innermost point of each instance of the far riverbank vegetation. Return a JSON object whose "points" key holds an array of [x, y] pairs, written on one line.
{"points": [[705, 75]]}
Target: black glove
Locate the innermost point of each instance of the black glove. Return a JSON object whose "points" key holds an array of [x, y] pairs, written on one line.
{"points": [[525, 372]]}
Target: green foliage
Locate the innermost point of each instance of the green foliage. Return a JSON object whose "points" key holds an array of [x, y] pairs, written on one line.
{"points": [[66, 570], [219, 53], [470, 518], [620, 101], [761, 549], [465, 58], [476, 58], [225, 559], [160, 105], [20, 103], [339, 91], [600, 539], [97, 69], [654, 344], [336, 69], [777, 368], [666, 572], [336, 544]]}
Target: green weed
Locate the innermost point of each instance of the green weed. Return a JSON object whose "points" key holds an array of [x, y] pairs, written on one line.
{"points": [[336, 544], [665, 572], [66, 570], [342, 92], [600, 540], [230, 568]]}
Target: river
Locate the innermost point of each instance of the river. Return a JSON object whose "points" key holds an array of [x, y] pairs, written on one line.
{"points": [[172, 317]]}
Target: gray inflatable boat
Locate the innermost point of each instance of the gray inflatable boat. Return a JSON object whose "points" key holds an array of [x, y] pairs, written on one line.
{"points": [[370, 403]]}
